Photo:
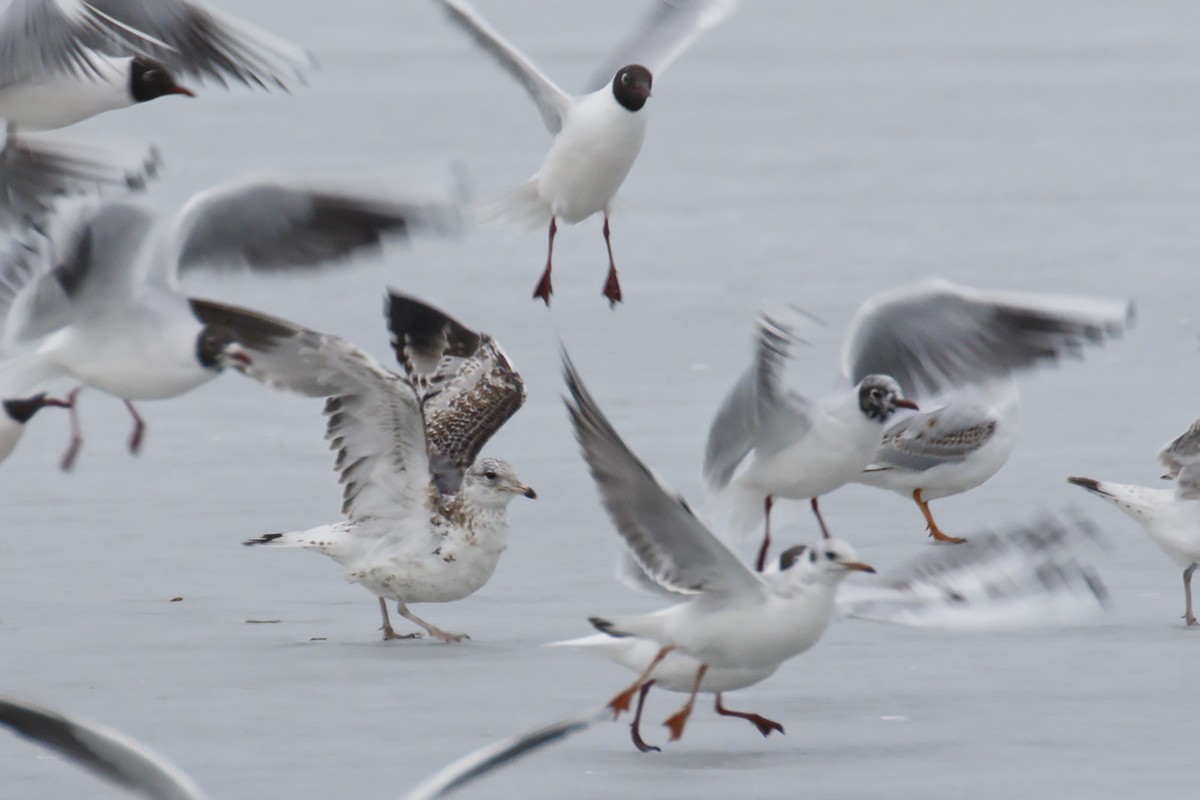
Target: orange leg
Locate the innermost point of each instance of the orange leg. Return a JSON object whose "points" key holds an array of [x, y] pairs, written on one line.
{"points": [[623, 699], [676, 721], [933, 529]]}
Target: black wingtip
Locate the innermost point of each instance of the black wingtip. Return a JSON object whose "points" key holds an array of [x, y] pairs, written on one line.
{"points": [[1087, 483], [606, 627], [420, 326], [266, 538]]}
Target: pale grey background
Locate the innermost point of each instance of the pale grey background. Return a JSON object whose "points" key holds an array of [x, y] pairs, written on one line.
{"points": [[810, 152]]}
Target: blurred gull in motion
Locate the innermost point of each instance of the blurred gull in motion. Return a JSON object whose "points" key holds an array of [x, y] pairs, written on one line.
{"points": [[106, 312], [733, 618], [63, 61], [133, 766], [597, 136], [16, 412], [1171, 517], [425, 517]]}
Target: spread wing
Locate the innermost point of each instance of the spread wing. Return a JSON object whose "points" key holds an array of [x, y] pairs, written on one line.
{"points": [[670, 544], [88, 257], [103, 751], [272, 226], [194, 39], [925, 440], [933, 335], [663, 35], [552, 102], [1182, 451], [467, 386], [759, 411]]}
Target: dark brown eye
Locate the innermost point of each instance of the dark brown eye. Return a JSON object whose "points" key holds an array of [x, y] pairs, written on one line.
{"points": [[491, 476]]}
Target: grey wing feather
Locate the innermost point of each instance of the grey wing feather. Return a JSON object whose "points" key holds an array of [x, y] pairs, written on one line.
{"points": [[552, 102], [268, 226], [1182, 451], [1187, 482], [467, 386], [478, 763], [194, 39], [933, 335], [664, 34], [89, 257], [927, 439], [105, 752], [669, 542], [758, 411]]}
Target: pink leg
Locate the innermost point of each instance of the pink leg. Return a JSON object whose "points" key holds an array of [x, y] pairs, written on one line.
{"points": [[68, 460], [612, 287], [544, 289], [139, 430], [1188, 616], [817, 510], [761, 561], [635, 729], [764, 725]]}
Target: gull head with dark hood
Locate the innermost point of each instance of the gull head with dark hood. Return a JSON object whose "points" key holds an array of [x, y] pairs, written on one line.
{"points": [[631, 86], [150, 79], [879, 396], [492, 483], [217, 347]]}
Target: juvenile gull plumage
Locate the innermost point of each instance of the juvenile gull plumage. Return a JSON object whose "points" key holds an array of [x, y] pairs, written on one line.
{"points": [[425, 517]]}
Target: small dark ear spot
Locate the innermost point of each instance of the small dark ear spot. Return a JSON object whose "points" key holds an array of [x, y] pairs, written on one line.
{"points": [[812, 556], [790, 556]]}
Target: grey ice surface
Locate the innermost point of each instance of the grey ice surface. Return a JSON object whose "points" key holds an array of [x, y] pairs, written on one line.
{"points": [[808, 152]]}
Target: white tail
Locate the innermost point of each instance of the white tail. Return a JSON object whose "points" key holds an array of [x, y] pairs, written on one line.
{"points": [[520, 206]]}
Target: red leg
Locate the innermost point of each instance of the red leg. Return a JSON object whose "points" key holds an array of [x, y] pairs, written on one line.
{"points": [[764, 725], [612, 287], [817, 510], [68, 460], [139, 429], [544, 289], [761, 561], [634, 728]]}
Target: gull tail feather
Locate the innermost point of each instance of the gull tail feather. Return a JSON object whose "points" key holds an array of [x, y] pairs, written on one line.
{"points": [[325, 539], [520, 206]]}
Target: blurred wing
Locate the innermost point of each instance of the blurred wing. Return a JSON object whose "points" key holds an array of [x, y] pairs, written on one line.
{"points": [[194, 39], [758, 412], [1184, 450], [1025, 576], [552, 102], [467, 386], [270, 227], [88, 258], [668, 541], [477, 763], [1187, 482], [671, 27], [933, 335], [928, 439], [109, 754]]}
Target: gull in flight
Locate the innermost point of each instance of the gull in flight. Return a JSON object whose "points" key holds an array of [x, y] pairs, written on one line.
{"points": [[733, 618], [425, 517], [597, 136], [98, 306], [1171, 517]]}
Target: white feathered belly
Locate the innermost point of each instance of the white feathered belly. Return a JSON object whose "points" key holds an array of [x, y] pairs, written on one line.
{"points": [[451, 572], [827, 458], [63, 102]]}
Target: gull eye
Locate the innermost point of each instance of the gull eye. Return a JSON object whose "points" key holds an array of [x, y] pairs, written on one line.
{"points": [[490, 475], [625, 78], [829, 554]]}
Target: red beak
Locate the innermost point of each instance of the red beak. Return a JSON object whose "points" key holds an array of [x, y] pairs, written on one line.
{"points": [[182, 90], [903, 402]]}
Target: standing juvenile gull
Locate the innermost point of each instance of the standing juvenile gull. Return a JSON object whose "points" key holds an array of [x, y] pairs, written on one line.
{"points": [[1171, 517], [63, 61], [734, 618], [100, 314], [425, 517], [597, 136]]}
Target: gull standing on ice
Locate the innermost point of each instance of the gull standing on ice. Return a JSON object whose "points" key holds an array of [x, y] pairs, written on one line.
{"points": [[733, 618], [1171, 517], [63, 61], [597, 136], [768, 442], [133, 766], [108, 313], [425, 517]]}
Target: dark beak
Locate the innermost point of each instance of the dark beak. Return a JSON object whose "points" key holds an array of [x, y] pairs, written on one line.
{"points": [[904, 402], [182, 90], [530, 493]]}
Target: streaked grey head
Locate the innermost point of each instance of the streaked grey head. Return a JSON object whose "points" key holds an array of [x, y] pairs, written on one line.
{"points": [[217, 347], [149, 79], [492, 482], [833, 559], [879, 396], [631, 86]]}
